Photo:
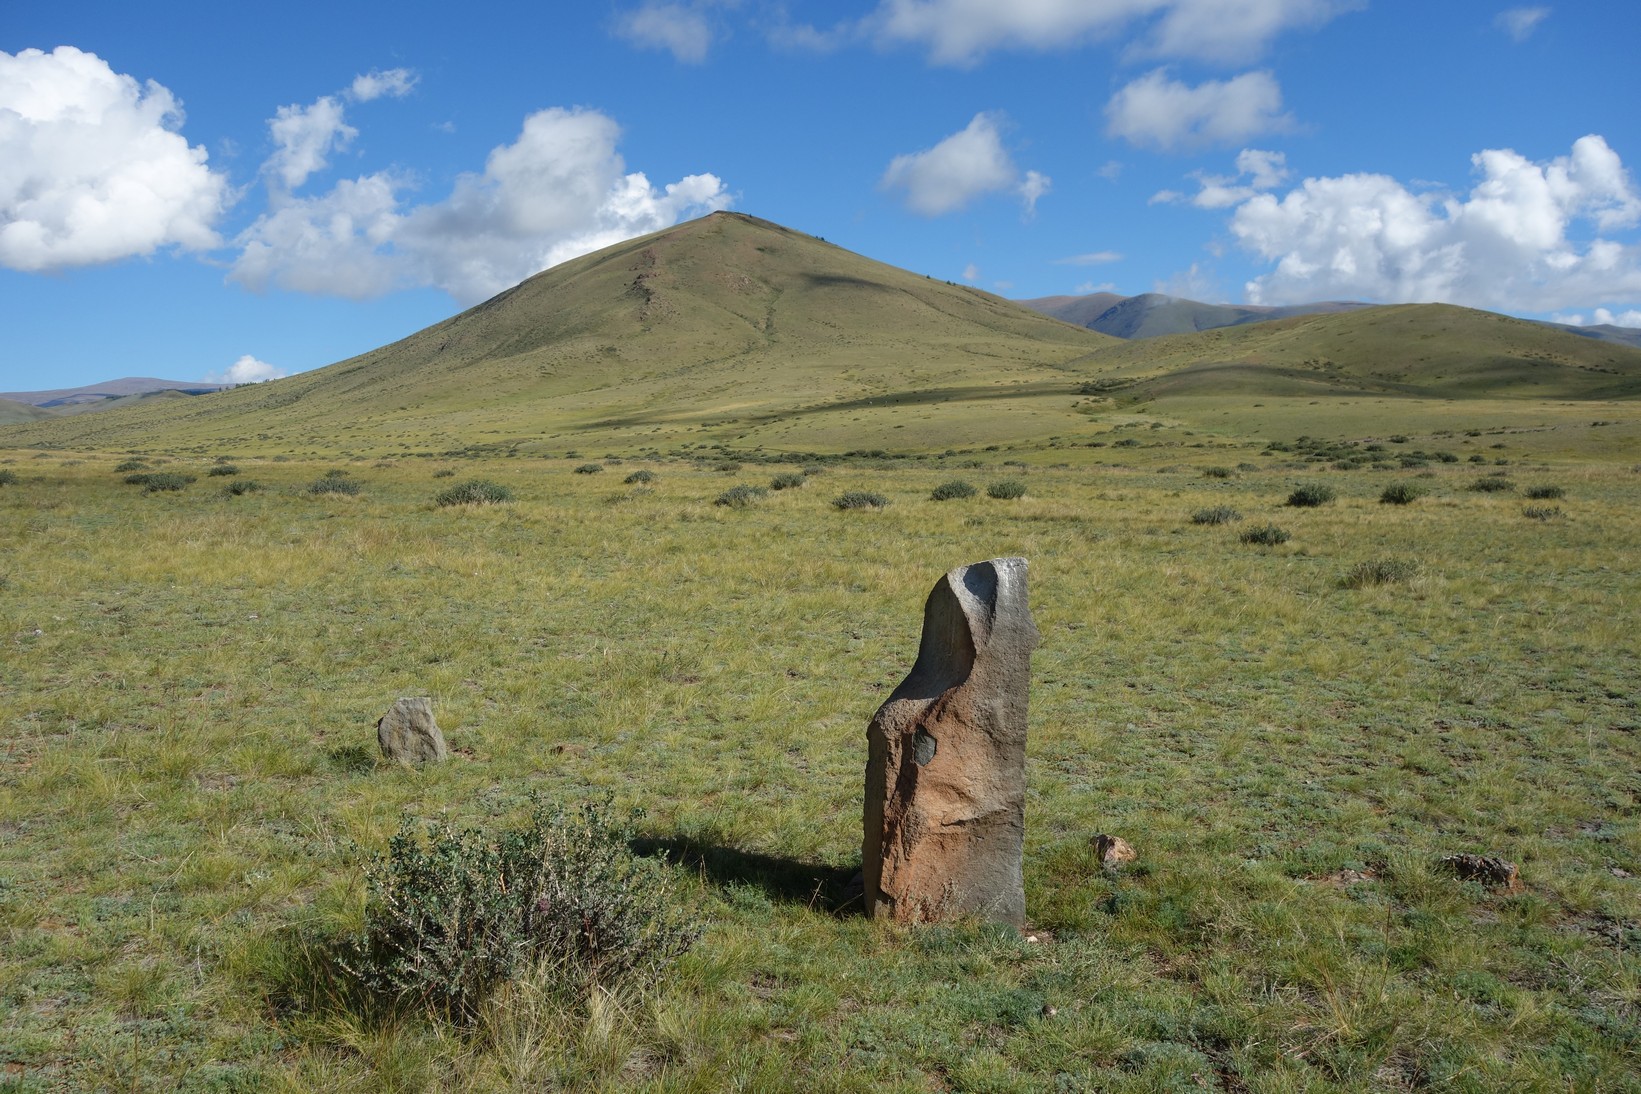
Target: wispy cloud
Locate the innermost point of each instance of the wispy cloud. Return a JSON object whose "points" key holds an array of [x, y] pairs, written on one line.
{"points": [[1519, 23]]}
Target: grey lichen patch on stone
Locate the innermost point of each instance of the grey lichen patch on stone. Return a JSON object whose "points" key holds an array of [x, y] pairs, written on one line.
{"points": [[408, 733]]}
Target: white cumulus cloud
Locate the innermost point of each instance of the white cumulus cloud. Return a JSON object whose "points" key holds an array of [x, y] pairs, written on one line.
{"points": [[966, 165], [559, 190], [1256, 171], [246, 370], [1519, 23], [961, 32], [1602, 317], [304, 137], [1509, 244], [1161, 112], [680, 29], [92, 168]]}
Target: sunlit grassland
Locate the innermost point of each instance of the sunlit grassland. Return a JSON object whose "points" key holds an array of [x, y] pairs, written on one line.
{"points": [[190, 684]]}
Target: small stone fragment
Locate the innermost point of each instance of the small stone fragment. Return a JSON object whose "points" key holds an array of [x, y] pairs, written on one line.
{"points": [[1490, 870], [1114, 851], [408, 734]]}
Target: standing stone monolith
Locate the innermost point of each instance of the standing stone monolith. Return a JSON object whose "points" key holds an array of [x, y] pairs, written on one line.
{"points": [[408, 734], [946, 758]]}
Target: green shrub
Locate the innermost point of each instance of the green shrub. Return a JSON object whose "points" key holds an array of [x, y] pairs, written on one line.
{"points": [[156, 481], [130, 465], [475, 492], [740, 497], [1311, 495], [639, 477], [453, 913], [1126, 442], [729, 467], [333, 483], [1006, 490], [1219, 514], [445, 473], [222, 470], [1492, 484], [1541, 512], [589, 468], [1268, 536], [1379, 571], [860, 499], [949, 491], [1478, 458], [8, 478], [1546, 491], [1401, 493], [786, 480], [1217, 472], [241, 486]]}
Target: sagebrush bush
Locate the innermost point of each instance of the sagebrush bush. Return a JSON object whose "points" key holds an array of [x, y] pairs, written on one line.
{"points": [[728, 467], [473, 492], [639, 477], [222, 470], [1219, 514], [859, 499], [589, 468], [949, 491], [1492, 484], [334, 483], [241, 486], [1401, 493], [453, 913], [1545, 491], [1379, 571], [445, 473], [130, 465], [155, 481], [1217, 472], [1311, 495], [739, 497], [1268, 536], [1541, 512], [1006, 490], [786, 480], [8, 478]]}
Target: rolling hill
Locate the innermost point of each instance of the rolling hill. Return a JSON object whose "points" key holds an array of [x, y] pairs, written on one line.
{"points": [[731, 332], [722, 328]]}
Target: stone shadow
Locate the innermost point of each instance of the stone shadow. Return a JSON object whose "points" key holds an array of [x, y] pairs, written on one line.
{"points": [[822, 887]]}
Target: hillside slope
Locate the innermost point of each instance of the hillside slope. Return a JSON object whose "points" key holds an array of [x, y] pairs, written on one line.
{"points": [[714, 328], [1423, 350]]}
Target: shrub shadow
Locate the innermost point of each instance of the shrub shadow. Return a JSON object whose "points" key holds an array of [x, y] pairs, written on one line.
{"points": [[832, 889]]}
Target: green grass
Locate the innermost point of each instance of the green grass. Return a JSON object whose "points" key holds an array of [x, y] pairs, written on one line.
{"points": [[188, 796]]}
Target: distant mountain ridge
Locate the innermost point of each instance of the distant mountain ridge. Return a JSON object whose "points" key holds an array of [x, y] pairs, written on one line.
{"points": [[108, 389], [1155, 315]]}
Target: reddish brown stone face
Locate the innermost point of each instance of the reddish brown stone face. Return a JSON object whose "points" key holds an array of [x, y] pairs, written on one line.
{"points": [[945, 768]]}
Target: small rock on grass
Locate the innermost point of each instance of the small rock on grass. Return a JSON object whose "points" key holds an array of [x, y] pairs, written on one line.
{"points": [[408, 734], [1114, 851], [1491, 870]]}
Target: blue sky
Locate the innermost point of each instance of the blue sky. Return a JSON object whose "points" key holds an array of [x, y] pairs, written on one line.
{"points": [[196, 190]]}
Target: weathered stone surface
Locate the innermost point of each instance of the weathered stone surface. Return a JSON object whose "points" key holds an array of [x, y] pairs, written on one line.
{"points": [[1490, 870], [946, 757], [1114, 851], [408, 734]]}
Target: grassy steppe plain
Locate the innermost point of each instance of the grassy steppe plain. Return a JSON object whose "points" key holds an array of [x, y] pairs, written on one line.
{"points": [[190, 684]]}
